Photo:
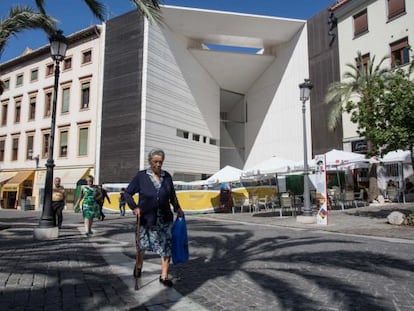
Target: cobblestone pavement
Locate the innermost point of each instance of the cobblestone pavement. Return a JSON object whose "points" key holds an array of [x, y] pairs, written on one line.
{"points": [[238, 262], [255, 263], [63, 274]]}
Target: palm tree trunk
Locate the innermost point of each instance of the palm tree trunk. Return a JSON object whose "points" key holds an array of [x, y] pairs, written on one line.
{"points": [[373, 190]]}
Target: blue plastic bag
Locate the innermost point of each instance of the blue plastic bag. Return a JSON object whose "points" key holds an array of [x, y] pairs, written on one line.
{"points": [[179, 241]]}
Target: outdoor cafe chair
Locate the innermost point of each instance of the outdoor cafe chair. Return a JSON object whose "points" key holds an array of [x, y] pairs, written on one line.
{"points": [[274, 205], [286, 201], [334, 196], [360, 198], [263, 202], [393, 194], [254, 203], [236, 205]]}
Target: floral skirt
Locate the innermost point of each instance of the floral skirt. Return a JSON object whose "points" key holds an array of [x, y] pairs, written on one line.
{"points": [[156, 239], [90, 211]]}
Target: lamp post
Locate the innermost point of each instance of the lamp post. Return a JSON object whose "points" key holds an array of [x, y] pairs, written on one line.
{"points": [[58, 45], [305, 89]]}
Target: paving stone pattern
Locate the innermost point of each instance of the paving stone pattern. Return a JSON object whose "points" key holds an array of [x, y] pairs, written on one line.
{"points": [[63, 274], [245, 267], [238, 262]]}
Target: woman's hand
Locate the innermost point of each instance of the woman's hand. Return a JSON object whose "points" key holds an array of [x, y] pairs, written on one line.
{"points": [[180, 212], [136, 211]]}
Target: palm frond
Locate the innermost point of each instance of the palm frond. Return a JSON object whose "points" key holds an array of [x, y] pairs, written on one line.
{"points": [[335, 116], [41, 6], [98, 8], [149, 9], [22, 18]]}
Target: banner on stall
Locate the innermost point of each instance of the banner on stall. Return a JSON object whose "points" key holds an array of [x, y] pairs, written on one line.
{"points": [[321, 190]]}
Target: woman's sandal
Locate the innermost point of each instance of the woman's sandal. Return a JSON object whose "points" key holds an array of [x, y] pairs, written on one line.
{"points": [[166, 282], [137, 272]]}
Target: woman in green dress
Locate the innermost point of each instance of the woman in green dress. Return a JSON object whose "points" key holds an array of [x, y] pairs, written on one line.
{"points": [[90, 207]]}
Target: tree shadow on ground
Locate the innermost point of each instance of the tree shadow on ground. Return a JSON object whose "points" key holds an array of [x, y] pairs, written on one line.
{"points": [[63, 274], [380, 214], [284, 272]]}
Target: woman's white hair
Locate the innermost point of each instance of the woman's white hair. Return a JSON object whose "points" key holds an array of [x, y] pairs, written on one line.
{"points": [[154, 152]]}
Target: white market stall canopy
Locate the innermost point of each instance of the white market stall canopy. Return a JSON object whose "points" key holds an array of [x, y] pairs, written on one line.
{"points": [[271, 166], [226, 174], [337, 159], [397, 156]]}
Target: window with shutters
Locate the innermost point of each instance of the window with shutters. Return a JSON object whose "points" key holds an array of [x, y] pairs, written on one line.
{"points": [[400, 53], [85, 93], [365, 61], [63, 143], [32, 108], [2, 146], [86, 57], [4, 106], [67, 63], [49, 70], [45, 144], [6, 84], [15, 148], [48, 103], [29, 146], [17, 110], [34, 75], [360, 23], [83, 141], [65, 99], [395, 8], [19, 80]]}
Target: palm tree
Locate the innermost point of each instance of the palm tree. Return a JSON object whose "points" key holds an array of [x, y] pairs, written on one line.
{"points": [[148, 8], [358, 94], [21, 18]]}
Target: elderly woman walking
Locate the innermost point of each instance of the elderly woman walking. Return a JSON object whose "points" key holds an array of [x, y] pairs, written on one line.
{"points": [[156, 192]]}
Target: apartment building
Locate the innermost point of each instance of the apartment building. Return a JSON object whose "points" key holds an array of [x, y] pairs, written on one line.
{"points": [[380, 28], [25, 111]]}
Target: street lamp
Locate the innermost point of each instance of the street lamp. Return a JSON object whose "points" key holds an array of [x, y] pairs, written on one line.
{"points": [[58, 45], [305, 89]]}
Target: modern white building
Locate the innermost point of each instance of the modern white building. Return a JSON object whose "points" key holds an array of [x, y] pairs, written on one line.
{"points": [[210, 88]]}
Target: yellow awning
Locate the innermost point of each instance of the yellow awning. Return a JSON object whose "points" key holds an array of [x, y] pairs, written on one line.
{"points": [[14, 183], [4, 176]]}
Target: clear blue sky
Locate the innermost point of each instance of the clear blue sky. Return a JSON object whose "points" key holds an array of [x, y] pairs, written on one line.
{"points": [[73, 15]]}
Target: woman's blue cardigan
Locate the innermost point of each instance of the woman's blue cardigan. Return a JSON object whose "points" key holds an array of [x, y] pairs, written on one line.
{"points": [[150, 199]]}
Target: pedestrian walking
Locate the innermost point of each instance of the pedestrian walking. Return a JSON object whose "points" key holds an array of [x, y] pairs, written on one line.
{"points": [[90, 197], [104, 195], [156, 193], [122, 202], [58, 201]]}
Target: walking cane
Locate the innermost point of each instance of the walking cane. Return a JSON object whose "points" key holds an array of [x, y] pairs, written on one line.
{"points": [[137, 271]]}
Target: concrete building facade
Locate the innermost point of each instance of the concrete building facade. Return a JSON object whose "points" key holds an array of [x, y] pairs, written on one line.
{"points": [[210, 88]]}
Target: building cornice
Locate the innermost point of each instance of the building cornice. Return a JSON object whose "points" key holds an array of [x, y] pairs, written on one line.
{"points": [[87, 33]]}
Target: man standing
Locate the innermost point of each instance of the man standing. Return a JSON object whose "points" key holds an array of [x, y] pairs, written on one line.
{"points": [[122, 202], [58, 201], [104, 195]]}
